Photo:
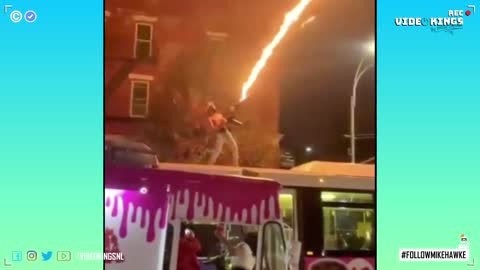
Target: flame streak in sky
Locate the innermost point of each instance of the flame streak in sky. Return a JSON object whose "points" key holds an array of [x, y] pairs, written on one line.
{"points": [[311, 19], [290, 18]]}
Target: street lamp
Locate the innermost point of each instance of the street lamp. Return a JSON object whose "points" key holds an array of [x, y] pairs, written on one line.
{"points": [[361, 69]]}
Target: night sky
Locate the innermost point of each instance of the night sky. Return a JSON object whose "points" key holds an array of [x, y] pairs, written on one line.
{"points": [[318, 64]]}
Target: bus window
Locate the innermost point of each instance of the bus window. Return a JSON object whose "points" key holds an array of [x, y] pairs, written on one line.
{"points": [[274, 252], [287, 208], [348, 228], [347, 197]]}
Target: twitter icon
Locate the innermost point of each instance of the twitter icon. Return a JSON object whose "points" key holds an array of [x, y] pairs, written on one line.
{"points": [[46, 256]]}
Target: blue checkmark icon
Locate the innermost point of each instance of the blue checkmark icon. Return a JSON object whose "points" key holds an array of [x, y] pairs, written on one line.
{"points": [[30, 16]]}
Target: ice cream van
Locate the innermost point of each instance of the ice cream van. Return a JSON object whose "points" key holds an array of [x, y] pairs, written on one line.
{"points": [[149, 211]]}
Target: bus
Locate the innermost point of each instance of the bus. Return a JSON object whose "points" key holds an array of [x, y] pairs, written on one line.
{"points": [[327, 206], [149, 211]]}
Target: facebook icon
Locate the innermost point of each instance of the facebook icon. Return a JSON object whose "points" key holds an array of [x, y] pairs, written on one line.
{"points": [[16, 256]]}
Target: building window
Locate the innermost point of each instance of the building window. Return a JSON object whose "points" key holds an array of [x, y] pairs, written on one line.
{"points": [[139, 99], [143, 40]]}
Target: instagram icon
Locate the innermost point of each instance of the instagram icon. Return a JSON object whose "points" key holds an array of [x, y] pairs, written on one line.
{"points": [[31, 255]]}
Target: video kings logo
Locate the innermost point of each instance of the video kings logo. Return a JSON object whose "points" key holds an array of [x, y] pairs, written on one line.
{"points": [[454, 20], [111, 246]]}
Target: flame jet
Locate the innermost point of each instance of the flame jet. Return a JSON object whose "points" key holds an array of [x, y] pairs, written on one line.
{"points": [[290, 18]]}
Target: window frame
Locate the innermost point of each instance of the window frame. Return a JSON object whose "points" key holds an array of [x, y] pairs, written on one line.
{"points": [[200, 222], [176, 242], [261, 242], [170, 229], [136, 39], [147, 99]]}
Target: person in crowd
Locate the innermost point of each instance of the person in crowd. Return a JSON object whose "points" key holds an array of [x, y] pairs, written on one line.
{"points": [[188, 249], [242, 256]]}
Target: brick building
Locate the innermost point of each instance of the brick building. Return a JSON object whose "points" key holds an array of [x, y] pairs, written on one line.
{"points": [[155, 50]]}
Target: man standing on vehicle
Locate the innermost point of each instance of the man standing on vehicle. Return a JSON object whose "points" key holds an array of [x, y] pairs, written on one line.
{"points": [[223, 135]]}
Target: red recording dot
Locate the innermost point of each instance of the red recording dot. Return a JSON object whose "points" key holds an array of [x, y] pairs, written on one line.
{"points": [[468, 12]]}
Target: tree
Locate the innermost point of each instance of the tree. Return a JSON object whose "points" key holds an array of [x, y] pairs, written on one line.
{"points": [[257, 148]]}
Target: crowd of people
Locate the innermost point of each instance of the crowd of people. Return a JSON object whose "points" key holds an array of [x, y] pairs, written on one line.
{"points": [[241, 254]]}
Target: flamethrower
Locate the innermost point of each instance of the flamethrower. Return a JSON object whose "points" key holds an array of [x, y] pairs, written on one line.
{"points": [[231, 119]]}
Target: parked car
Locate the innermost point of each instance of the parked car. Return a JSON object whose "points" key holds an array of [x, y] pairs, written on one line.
{"points": [[122, 150], [287, 160]]}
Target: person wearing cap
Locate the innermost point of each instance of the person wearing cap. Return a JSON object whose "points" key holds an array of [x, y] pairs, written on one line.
{"points": [[242, 255], [223, 135]]}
